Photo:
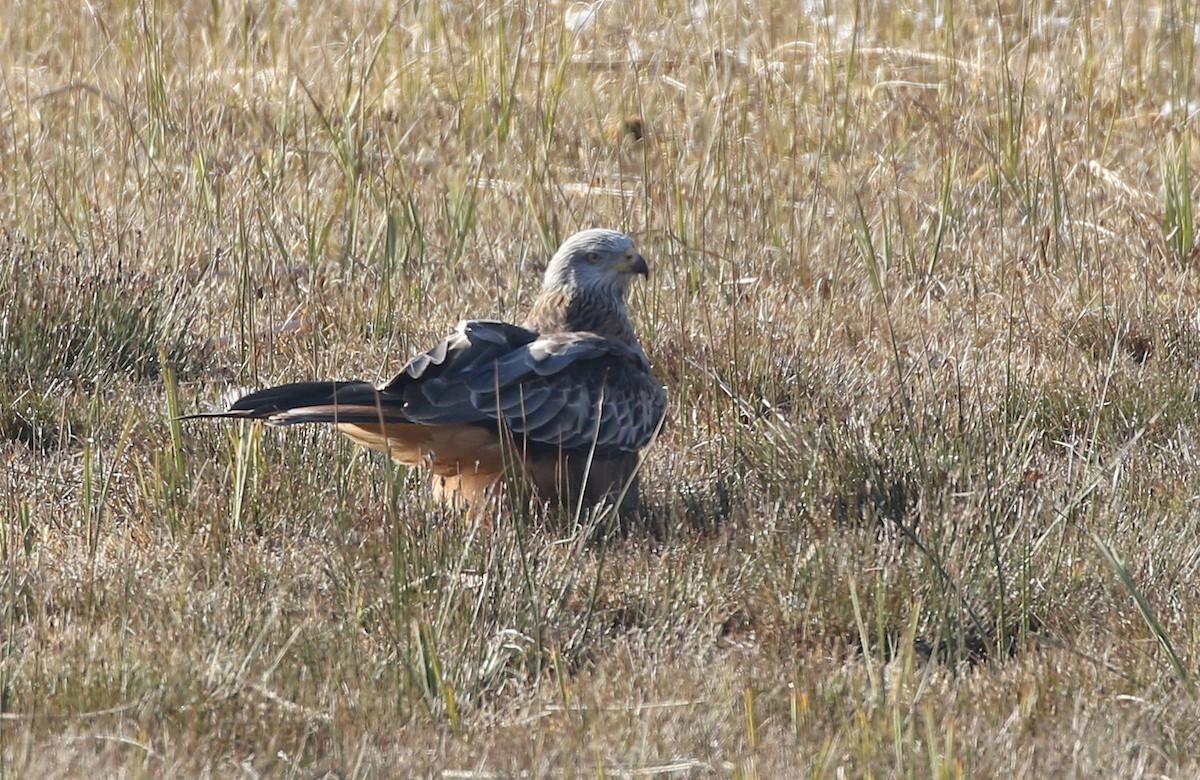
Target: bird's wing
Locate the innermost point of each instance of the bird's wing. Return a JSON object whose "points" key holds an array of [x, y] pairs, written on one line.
{"points": [[569, 391]]}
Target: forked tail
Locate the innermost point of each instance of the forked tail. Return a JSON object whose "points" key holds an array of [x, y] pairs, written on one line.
{"points": [[311, 402]]}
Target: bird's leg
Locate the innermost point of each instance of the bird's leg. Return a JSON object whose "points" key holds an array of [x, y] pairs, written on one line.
{"points": [[463, 490]]}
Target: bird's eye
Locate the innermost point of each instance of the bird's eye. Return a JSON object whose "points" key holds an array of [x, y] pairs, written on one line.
{"points": [[593, 257]]}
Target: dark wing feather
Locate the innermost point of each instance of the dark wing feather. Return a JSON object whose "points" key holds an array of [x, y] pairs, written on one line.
{"points": [[434, 388], [571, 391], [437, 373], [562, 390]]}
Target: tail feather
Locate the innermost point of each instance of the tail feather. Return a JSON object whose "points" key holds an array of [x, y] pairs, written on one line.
{"points": [[302, 402], [282, 398]]}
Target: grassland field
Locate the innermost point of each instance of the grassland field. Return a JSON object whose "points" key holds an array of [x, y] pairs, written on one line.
{"points": [[924, 292]]}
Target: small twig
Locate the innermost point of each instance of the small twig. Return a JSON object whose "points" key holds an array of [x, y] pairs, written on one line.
{"points": [[287, 705], [81, 86], [21, 716], [149, 751], [1114, 180]]}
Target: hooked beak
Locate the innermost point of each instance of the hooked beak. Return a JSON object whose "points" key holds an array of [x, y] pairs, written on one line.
{"points": [[635, 265]]}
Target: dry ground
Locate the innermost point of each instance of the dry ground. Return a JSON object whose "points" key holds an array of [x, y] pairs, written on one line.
{"points": [[924, 294]]}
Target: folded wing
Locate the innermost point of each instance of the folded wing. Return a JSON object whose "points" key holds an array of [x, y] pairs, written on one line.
{"points": [[566, 391]]}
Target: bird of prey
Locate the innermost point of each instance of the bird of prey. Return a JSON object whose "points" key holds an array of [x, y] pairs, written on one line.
{"points": [[566, 397]]}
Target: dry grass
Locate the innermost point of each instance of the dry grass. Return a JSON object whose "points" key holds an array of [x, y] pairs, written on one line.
{"points": [[924, 295]]}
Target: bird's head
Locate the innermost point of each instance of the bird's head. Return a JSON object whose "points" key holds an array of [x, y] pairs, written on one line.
{"points": [[595, 260]]}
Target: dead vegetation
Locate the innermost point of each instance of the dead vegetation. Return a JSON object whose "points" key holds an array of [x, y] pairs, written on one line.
{"points": [[923, 291]]}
